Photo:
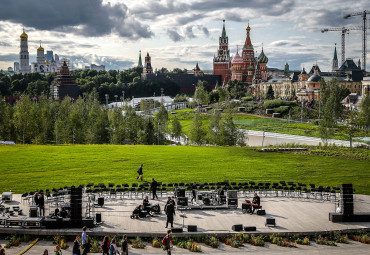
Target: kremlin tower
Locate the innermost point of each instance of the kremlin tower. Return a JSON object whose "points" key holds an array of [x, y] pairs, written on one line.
{"points": [[248, 59], [148, 64], [222, 62], [24, 58]]}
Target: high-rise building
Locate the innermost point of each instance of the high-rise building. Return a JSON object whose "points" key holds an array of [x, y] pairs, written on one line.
{"points": [[24, 58], [222, 62], [49, 55]]}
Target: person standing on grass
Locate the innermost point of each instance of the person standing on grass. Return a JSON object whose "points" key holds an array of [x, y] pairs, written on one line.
{"points": [[140, 172], [85, 241], [76, 246], [168, 242], [124, 245], [153, 187], [170, 211]]}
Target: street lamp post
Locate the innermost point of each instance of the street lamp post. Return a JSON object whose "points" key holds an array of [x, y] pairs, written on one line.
{"points": [[106, 99]]}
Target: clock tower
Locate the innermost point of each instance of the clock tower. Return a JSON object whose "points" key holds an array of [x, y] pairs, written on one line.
{"points": [[222, 62]]}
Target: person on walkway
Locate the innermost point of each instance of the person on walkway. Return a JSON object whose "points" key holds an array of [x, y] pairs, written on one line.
{"points": [[153, 187], [194, 191], [41, 201], [76, 246], [2, 251], [170, 213], [140, 172], [36, 198], [46, 252], [113, 248], [168, 242], [85, 241], [146, 205], [105, 246], [124, 245], [58, 251]]}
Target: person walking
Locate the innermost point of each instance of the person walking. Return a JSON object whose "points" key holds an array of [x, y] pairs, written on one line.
{"points": [[113, 248], [58, 251], [46, 252], [153, 187], [194, 191], [41, 201], [124, 245], [85, 241], [140, 172], [76, 246], [167, 241], [105, 246], [170, 211]]}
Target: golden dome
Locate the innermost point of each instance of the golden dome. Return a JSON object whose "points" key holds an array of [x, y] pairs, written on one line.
{"points": [[24, 35], [248, 28], [46, 61], [40, 48]]}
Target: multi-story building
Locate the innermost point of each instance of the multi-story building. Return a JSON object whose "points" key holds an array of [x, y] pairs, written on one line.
{"points": [[42, 65]]}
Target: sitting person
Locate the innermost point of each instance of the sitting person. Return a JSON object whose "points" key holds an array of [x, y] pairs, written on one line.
{"points": [[146, 205], [63, 213], [255, 203], [139, 211]]}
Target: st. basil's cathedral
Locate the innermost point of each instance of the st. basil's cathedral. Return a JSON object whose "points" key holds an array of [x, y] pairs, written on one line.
{"points": [[245, 68]]}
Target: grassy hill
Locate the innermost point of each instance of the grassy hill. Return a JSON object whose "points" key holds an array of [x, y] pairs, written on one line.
{"points": [[30, 167]]}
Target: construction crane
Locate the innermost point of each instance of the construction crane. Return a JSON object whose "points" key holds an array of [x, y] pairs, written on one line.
{"points": [[344, 30], [364, 33]]}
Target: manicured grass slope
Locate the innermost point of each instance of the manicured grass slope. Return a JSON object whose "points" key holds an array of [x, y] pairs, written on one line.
{"points": [[30, 167]]}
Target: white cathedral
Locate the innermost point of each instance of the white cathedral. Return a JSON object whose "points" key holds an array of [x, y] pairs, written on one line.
{"points": [[41, 65]]}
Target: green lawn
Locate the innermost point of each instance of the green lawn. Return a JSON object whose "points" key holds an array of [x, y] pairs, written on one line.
{"points": [[30, 167]]}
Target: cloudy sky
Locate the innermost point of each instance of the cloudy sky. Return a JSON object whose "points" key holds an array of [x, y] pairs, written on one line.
{"points": [[178, 33]]}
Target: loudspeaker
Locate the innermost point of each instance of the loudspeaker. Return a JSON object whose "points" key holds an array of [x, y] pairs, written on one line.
{"points": [[182, 201], [176, 230], [232, 194], [100, 201], [180, 192], [238, 227], [88, 222], [270, 221], [98, 217], [245, 206], [250, 228], [261, 212], [33, 211], [192, 228], [232, 201], [206, 201]]}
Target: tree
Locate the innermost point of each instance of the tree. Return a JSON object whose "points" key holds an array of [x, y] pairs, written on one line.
{"points": [[161, 123], [364, 116], [176, 127], [230, 135], [331, 102], [197, 133], [5, 125], [201, 95], [147, 134], [22, 119], [38, 88], [236, 88], [270, 93], [213, 136]]}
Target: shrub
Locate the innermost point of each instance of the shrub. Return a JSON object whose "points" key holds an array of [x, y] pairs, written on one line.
{"points": [[277, 103], [156, 243], [304, 241], [281, 110], [257, 241], [247, 98], [213, 242], [324, 241], [63, 244], [343, 239], [138, 244], [94, 245], [365, 239], [194, 247], [228, 241]]}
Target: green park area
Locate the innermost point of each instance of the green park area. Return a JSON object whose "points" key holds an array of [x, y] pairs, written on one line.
{"points": [[30, 167]]}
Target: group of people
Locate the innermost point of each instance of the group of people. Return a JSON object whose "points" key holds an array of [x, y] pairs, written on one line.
{"points": [[40, 202], [110, 247]]}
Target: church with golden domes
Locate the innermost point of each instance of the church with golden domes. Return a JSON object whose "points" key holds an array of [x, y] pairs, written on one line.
{"points": [[42, 65]]}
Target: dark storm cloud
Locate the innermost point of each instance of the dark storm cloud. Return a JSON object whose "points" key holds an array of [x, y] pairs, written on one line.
{"points": [[5, 44], [174, 35], [82, 17], [198, 10]]}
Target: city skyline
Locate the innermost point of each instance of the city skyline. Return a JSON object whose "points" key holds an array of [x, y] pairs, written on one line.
{"points": [[178, 34]]}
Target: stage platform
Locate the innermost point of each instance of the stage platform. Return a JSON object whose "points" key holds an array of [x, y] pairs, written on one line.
{"points": [[293, 215]]}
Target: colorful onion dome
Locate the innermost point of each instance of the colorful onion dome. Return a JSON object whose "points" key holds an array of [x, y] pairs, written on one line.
{"points": [[262, 58], [237, 59]]}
